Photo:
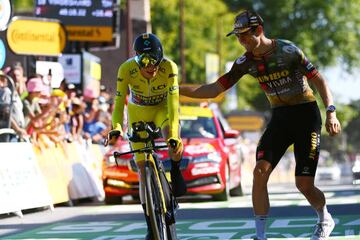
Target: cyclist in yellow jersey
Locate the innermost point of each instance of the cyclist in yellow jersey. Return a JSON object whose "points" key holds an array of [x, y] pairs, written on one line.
{"points": [[152, 82]]}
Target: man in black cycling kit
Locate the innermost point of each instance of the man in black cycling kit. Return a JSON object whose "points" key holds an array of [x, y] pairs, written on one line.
{"points": [[283, 72]]}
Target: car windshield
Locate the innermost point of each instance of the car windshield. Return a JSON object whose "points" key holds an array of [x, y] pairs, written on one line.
{"points": [[198, 127]]}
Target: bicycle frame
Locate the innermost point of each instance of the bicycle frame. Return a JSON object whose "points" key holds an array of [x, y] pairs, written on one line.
{"points": [[151, 162], [150, 158]]}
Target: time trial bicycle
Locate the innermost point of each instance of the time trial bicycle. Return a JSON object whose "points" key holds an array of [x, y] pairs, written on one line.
{"points": [[161, 204]]}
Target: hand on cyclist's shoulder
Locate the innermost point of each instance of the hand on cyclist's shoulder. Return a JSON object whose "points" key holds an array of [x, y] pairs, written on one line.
{"points": [[176, 148], [332, 125]]}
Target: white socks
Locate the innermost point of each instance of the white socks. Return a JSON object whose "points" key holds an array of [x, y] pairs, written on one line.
{"points": [[323, 214], [260, 224]]}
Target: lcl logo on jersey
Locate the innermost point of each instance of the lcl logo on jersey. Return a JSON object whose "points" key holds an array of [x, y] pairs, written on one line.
{"points": [[133, 72], [158, 88]]}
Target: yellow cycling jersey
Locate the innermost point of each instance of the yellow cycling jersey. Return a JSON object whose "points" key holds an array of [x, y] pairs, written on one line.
{"points": [[161, 90]]}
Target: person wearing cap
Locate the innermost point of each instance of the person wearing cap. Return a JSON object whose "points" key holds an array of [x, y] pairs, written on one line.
{"points": [[39, 119], [32, 109], [70, 90], [284, 74]]}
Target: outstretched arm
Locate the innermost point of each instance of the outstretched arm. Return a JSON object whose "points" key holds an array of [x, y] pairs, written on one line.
{"points": [[211, 90]]}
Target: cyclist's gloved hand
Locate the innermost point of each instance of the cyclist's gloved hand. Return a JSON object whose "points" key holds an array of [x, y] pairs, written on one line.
{"points": [[113, 135], [176, 148]]}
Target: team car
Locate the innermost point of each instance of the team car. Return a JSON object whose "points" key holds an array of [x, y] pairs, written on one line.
{"points": [[211, 162]]}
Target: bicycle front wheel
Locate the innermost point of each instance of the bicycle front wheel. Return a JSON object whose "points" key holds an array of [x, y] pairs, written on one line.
{"points": [[154, 203]]}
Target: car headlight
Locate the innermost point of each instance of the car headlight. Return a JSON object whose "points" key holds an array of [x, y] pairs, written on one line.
{"points": [[211, 157]]}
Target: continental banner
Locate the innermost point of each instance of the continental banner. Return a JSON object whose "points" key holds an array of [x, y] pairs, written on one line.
{"points": [[36, 36]]}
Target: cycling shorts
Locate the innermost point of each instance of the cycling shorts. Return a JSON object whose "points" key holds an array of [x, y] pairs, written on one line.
{"points": [[157, 114], [299, 125]]}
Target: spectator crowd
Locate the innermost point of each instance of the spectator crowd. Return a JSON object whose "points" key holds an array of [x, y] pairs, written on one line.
{"points": [[50, 116]]}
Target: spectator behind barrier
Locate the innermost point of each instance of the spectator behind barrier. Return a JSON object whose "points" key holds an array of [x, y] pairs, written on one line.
{"points": [[5, 101], [17, 116], [57, 117], [17, 123], [32, 111], [97, 130], [104, 93], [56, 129], [41, 112], [77, 119], [91, 112], [16, 72]]}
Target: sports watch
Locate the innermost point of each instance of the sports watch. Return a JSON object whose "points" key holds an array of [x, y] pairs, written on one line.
{"points": [[331, 108]]}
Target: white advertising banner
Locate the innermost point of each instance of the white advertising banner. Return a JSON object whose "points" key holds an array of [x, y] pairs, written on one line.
{"points": [[22, 185]]}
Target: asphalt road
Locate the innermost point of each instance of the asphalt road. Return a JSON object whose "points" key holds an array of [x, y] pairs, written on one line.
{"points": [[290, 217]]}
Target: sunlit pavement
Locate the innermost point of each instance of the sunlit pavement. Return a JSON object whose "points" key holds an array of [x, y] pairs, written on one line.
{"points": [[290, 218]]}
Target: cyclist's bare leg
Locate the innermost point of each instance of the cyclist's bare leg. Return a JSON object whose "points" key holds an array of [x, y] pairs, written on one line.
{"points": [[260, 196], [306, 186], [316, 198], [140, 165]]}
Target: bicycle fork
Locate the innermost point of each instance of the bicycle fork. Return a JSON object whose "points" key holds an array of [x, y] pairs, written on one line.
{"points": [[151, 160]]}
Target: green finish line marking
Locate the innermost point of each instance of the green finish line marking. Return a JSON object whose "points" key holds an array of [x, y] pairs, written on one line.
{"points": [[221, 229]]}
